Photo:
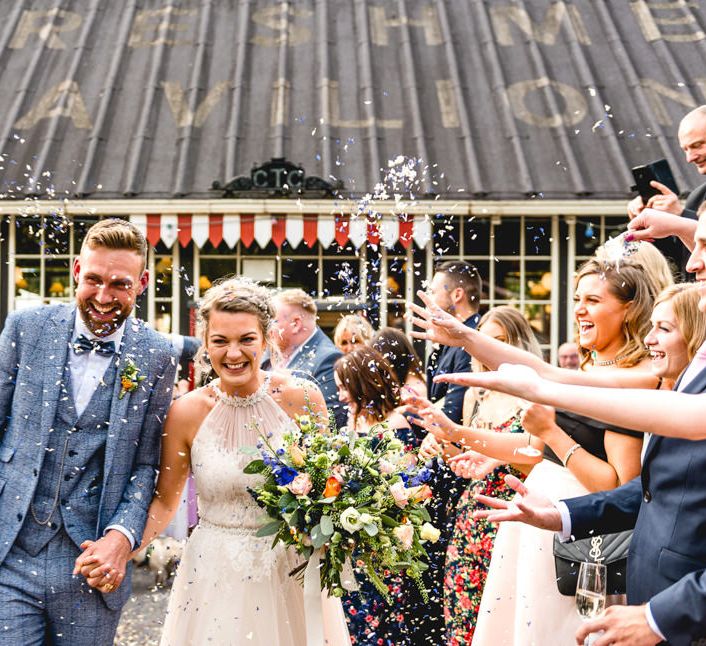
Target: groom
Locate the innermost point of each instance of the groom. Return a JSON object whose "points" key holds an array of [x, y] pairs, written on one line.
{"points": [[84, 389]]}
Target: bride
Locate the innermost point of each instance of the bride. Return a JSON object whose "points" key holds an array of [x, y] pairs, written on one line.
{"points": [[231, 586]]}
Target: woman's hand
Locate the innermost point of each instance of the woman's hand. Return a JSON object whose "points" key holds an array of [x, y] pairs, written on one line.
{"points": [[539, 421], [430, 448], [472, 466], [431, 418], [513, 379], [439, 326]]}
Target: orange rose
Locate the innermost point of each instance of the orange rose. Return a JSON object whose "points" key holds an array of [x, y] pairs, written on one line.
{"points": [[333, 488], [423, 493]]}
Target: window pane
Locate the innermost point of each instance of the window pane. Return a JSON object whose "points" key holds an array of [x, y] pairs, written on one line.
{"points": [[507, 237], [27, 275], [588, 235], [539, 317], [163, 317], [395, 315], [57, 277], [79, 231], [301, 272], [538, 280], [477, 236], [222, 248], [538, 237], [28, 235], [446, 235], [163, 276], [341, 278], [213, 268], [507, 279], [56, 236], [396, 277]]}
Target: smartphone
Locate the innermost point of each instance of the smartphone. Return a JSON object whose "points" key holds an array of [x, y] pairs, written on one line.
{"points": [[657, 170]]}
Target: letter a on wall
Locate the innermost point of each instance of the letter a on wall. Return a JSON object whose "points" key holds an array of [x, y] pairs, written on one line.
{"points": [[63, 100]]}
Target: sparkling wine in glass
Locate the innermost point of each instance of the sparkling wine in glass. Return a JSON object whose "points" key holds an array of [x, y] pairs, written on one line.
{"points": [[591, 591], [529, 450]]}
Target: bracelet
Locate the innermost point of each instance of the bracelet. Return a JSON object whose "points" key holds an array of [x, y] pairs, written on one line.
{"points": [[569, 453]]}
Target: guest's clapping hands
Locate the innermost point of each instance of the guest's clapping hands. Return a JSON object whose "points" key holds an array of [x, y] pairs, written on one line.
{"points": [[529, 507], [472, 465], [622, 626], [439, 326], [103, 562]]}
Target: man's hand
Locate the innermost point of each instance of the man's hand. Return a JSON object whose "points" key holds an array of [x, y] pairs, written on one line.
{"points": [[635, 206], [530, 508], [666, 200], [440, 327], [622, 626], [103, 562]]}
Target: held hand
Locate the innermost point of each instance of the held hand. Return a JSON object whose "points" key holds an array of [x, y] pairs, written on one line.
{"points": [[429, 449], [103, 562], [529, 507], [666, 201], [622, 626], [472, 466], [539, 421], [439, 326]]}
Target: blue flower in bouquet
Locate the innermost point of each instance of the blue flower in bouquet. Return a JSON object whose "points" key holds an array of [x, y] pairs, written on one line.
{"points": [[283, 474]]}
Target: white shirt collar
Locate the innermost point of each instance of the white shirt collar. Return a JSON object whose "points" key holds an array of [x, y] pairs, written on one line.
{"points": [[81, 328]]}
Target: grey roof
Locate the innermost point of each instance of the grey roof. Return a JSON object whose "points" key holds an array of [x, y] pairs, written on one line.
{"points": [[497, 98]]}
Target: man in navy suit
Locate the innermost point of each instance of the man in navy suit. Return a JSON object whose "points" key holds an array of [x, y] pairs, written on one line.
{"points": [[304, 348], [456, 289]]}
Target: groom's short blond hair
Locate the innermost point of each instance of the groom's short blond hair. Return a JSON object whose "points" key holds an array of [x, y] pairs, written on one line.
{"points": [[113, 233]]}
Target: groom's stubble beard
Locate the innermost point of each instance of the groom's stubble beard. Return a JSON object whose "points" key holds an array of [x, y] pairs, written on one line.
{"points": [[103, 328]]}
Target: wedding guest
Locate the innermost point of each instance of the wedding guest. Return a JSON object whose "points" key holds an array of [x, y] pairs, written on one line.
{"points": [[568, 356], [352, 331], [666, 555], [470, 547], [303, 348], [393, 344], [233, 586], [521, 603], [83, 392], [368, 386]]}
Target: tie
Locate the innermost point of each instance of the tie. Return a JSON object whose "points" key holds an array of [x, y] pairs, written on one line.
{"points": [[84, 344]]}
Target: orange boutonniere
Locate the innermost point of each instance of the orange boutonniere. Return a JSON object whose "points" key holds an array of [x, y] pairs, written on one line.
{"points": [[130, 378]]}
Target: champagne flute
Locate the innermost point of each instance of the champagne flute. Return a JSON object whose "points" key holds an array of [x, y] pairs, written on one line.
{"points": [[591, 591], [528, 450]]}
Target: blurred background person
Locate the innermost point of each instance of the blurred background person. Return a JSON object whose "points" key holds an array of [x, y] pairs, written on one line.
{"points": [[352, 331], [393, 344], [568, 356]]}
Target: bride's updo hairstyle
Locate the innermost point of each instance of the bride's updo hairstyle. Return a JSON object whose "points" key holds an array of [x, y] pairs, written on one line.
{"points": [[233, 295]]}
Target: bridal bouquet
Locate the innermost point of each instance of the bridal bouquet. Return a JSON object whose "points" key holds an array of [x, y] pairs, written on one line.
{"points": [[341, 498]]}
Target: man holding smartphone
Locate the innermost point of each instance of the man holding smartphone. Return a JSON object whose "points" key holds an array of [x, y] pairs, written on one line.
{"points": [[692, 139]]}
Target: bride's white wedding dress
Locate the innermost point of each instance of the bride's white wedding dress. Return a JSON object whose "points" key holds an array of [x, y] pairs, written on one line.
{"points": [[231, 587]]}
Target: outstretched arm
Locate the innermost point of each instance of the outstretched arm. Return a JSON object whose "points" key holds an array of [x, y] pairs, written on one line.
{"points": [[441, 327], [650, 411]]}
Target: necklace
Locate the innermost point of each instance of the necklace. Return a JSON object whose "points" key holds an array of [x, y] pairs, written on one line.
{"points": [[607, 362]]}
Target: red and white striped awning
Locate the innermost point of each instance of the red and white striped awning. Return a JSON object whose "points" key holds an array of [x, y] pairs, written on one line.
{"points": [[231, 228]]}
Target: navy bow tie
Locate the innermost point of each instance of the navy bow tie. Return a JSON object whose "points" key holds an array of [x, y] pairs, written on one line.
{"points": [[84, 344]]}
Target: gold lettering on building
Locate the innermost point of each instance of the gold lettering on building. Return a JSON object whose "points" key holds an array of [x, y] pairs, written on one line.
{"points": [[183, 114], [574, 110], [650, 25], [43, 23], [546, 32], [656, 91], [448, 106], [159, 27], [279, 106], [332, 111], [278, 19], [63, 100], [380, 23]]}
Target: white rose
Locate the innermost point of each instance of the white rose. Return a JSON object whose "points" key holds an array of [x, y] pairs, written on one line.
{"points": [[366, 519], [400, 493], [429, 533], [350, 520]]}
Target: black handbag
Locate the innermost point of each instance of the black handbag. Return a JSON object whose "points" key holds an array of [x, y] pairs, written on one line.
{"points": [[609, 549]]}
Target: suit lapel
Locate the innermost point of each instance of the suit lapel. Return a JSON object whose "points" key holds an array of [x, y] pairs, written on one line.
{"points": [[55, 353], [130, 349]]}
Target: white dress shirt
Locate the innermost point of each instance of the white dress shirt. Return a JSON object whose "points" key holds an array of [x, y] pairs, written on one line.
{"points": [[87, 370]]}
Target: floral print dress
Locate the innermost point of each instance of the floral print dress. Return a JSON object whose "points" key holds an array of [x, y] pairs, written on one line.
{"points": [[470, 548]]}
